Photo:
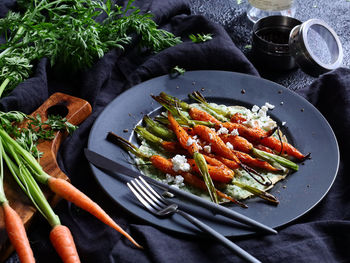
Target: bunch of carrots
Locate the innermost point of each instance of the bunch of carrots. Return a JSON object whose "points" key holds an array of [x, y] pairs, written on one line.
{"points": [[27, 172], [253, 149]]}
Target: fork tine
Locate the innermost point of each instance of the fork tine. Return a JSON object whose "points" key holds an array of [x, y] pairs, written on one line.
{"points": [[140, 197], [146, 191], [152, 190]]}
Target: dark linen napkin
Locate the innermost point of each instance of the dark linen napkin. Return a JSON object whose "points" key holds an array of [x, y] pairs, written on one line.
{"points": [[320, 236]]}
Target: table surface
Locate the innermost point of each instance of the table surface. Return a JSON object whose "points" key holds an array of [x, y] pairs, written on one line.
{"points": [[232, 15]]}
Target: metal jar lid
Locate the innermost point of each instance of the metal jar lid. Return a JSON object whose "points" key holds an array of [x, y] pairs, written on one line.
{"points": [[315, 47], [312, 45]]}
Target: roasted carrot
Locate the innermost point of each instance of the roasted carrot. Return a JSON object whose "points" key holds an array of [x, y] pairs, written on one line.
{"points": [[238, 118], [17, 234], [242, 148], [254, 162], [274, 143], [190, 145], [283, 147], [62, 240], [238, 142], [217, 173], [263, 148], [184, 139], [249, 133], [165, 166], [217, 145], [200, 115], [72, 194]]}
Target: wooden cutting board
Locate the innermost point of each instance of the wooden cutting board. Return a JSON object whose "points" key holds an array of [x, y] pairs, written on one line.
{"points": [[75, 110]]}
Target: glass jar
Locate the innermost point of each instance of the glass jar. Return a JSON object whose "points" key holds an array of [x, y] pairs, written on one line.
{"points": [[261, 8]]}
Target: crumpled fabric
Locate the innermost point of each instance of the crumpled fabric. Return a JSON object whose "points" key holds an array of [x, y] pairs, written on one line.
{"points": [[322, 235]]}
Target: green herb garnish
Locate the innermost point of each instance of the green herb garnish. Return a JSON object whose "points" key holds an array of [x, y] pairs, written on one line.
{"points": [[200, 37]]}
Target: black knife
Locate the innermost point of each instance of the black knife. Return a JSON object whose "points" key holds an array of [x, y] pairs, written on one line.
{"points": [[107, 164]]}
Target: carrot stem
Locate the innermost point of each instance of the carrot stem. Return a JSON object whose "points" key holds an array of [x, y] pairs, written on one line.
{"points": [[158, 129], [272, 157]]}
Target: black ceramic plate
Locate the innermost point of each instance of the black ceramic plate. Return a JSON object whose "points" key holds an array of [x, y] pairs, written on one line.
{"points": [[305, 127]]}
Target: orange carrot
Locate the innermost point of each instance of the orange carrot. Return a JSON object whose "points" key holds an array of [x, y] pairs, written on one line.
{"points": [[72, 194], [229, 163], [220, 174], [239, 143], [283, 147], [173, 147], [274, 143], [200, 115], [238, 118], [249, 133], [165, 166], [62, 240], [217, 145], [253, 162], [217, 173], [264, 148], [17, 234], [242, 148], [182, 135]]}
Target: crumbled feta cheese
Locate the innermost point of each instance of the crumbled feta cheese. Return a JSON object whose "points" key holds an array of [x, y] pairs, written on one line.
{"points": [[180, 163], [190, 141], [222, 130], [207, 148], [269, 106], [179, 181], [264, 109], [255, 108], [168, 178], [234, 132], [210, 136], [229, 145]]}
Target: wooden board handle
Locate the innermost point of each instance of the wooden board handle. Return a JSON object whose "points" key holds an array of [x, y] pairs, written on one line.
{"points": [[75, 110]]}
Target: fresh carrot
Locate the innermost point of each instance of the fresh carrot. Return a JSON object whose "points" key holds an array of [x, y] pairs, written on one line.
{"points": [[13, 223], [72, 194], [17, 234], [62, 240]]}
